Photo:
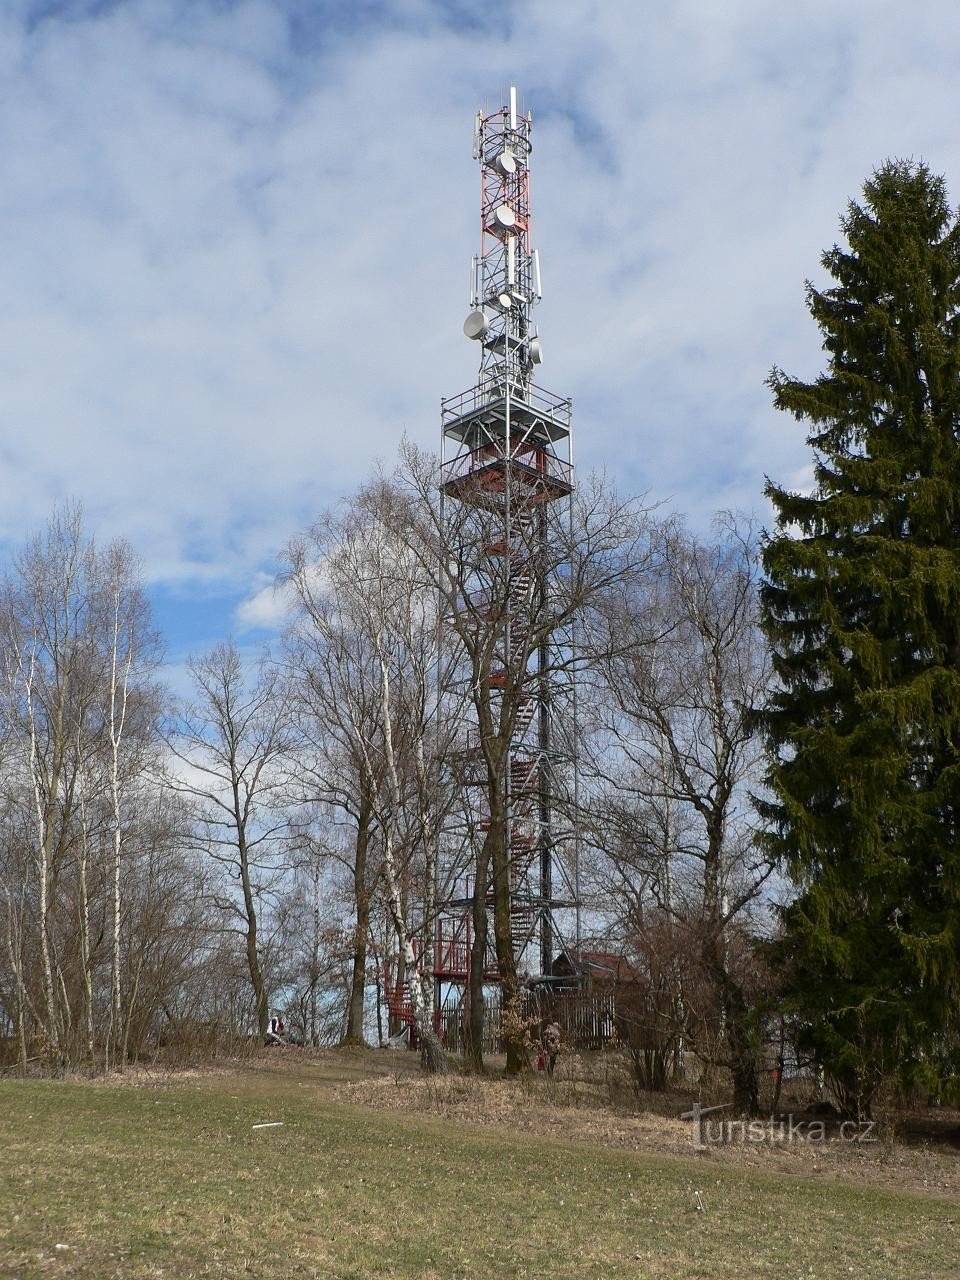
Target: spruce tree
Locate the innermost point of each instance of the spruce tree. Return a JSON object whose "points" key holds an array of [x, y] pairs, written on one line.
{"points": [[862, 609]]}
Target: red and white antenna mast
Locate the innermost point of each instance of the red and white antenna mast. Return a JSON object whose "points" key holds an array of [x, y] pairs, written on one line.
{"points": [[506, 462], [505, 276]]}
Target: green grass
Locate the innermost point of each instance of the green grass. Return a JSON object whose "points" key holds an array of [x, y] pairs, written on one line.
{"points": [[174, 1182]]}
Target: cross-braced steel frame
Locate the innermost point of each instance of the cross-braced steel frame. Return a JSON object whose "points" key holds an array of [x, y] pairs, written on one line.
{"points": [[506, 456]]}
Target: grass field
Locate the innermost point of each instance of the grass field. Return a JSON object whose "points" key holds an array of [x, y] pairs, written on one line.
{"points": [[110, 1180]]}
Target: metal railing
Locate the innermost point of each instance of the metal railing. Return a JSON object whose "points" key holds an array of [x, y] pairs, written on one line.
{"points": [[558, 409], [546, 466]]}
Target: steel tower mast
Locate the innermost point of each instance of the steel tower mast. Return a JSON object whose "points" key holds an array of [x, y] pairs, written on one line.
{"points": [[506, 453]]}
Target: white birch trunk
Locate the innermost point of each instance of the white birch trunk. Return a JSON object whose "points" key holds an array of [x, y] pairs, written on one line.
{"points": [[315, 957], [117, 719], [85, 914], [417, 979], [43, 856], [430, 835]]}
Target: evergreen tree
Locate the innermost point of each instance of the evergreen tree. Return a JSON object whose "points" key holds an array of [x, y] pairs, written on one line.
{"points": [[862, 609]]}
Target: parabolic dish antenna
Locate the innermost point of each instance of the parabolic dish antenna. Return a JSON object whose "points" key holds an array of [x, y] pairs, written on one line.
{"points": [[504, 218], [505, 162], [476, 325]]}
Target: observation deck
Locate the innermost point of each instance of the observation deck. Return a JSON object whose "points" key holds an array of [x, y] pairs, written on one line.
{"points": [[483, 413], [479, 473]]}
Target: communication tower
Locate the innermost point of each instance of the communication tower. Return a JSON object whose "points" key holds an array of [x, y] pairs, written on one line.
{"points": [[506, 453]]}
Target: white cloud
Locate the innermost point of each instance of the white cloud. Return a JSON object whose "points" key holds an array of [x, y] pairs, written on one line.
{"points": [[266, 608], [235, 245]]}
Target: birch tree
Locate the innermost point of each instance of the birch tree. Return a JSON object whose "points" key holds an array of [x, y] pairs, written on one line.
{"points": [[131, 714], [79, 708], [379, 654]]}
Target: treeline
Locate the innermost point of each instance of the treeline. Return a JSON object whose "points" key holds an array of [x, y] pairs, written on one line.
{"points": [[287, 834], [763, 827]]}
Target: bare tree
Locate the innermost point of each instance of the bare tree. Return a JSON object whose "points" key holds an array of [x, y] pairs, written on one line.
{"points": [[679, 754], [110, 940], [131, 714], [79, 702], [316, 957], [513, 638], [230, 745], [374, 653], [329, 769]]}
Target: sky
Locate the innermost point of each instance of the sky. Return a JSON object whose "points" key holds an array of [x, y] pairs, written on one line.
{"points": [[235, 237]]}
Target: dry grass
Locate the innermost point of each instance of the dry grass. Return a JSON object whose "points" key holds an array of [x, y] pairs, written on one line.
{"points": [[574, 1110], [378, 1173]]}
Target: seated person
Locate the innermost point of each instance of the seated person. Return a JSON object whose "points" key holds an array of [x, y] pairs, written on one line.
{"points": [[276, 1031]]}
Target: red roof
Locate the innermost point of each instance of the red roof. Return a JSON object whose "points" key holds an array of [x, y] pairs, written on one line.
{"points": [[603, 966]]}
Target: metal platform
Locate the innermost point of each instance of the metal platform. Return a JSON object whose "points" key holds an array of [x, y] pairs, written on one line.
{"points": [[478, 415], [475, 475]]}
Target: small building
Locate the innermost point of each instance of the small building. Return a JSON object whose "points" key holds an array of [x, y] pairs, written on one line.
{"points": [[582, 994], [593, 971]]}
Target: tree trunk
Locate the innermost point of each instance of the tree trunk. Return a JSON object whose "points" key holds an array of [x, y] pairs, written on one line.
{"points": [[85, 936], [116, 1018], [476, 1010], [313, 1033], [506, 958], [45, 816], [118, 713], [379, 980], [739, 1032], [744, 1064], [353, 1033], [46, 811], [51, 1028], [253, 954], [15, 956], [433, 1056]]}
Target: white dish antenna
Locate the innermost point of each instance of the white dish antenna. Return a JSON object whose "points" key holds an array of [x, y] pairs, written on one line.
{"points": [[536, 351], [505, 163], [504, 219], [476, 325]]}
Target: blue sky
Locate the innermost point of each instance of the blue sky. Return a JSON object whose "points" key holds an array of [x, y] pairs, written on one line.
{"points": [[235, 240]]}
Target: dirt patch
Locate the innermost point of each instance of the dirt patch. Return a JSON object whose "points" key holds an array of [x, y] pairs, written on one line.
{"points": [[137, 1076]]}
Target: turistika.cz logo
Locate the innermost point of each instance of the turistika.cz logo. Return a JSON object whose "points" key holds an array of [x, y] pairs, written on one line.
{"points": [[780, 1129]]}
